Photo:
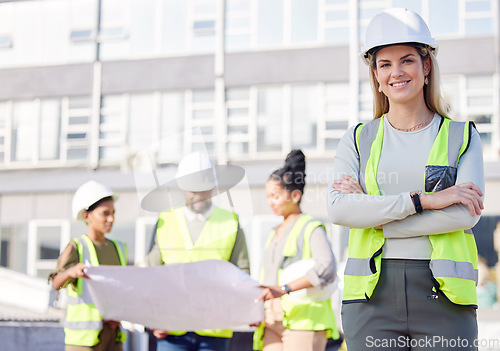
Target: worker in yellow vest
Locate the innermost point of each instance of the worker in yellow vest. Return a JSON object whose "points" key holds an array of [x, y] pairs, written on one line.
{"points": [[93, 203], [198, 231], [294, 322], [409, 184]]}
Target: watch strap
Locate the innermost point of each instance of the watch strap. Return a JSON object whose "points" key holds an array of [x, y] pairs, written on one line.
{"points": [[286, 289], [416, 201]]}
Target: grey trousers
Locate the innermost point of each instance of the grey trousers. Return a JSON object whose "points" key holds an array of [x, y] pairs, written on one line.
{"points": [[401, 316]]}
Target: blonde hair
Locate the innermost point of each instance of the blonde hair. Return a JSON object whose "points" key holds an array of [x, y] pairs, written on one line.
{"points": [[432, 90]]}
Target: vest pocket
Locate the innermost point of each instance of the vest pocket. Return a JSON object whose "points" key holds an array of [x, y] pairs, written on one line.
{"points": [[438, 178]]}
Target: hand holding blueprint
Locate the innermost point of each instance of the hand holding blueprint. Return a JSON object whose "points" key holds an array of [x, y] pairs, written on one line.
{"points": [[210, 294]]}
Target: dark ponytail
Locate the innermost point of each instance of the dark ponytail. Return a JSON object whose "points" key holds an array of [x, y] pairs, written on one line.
{"points": [[292, 176]]}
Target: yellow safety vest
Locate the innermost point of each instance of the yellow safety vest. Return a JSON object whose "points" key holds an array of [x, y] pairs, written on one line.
{"points": [[300, 315], [83, 322], [216, 242], [454, 256]]}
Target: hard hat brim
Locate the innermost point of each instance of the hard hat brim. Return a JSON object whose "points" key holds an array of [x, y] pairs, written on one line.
{"points": [[169, 195], [365, 55]]}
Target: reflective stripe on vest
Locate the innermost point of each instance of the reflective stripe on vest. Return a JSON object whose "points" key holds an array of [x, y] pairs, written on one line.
{"points": [[216, 242], [454, 255], [83, 321], [297, 315]]}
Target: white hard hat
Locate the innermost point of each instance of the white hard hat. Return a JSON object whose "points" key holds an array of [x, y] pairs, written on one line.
{"points": [[196, 172], [87, 195], [396, 26]]}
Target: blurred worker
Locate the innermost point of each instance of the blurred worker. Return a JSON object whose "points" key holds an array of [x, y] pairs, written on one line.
{"points": [[292, 324], [84, 328], [195, 232]]}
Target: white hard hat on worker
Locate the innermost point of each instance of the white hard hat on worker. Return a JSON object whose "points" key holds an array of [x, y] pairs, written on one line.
{"points": [[396, 26], [196, 172], [87, 195]]}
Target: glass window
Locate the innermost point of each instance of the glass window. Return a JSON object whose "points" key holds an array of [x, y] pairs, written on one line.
{"points": [[28, 33], [269, 119], [337, 35], [238, 25], [3, 130], [5, 41], [480, 82], [115, 17], [337, 102], [50, 122], [304, 116], [142, 27], [444, 9], [480, 101], [337, 16], [172, 125], [203, 96], [238, 120], [76, 139], [415, 5], [55, 32], [110, 129], [477, 26], [14, 246], [451, 94], [24, 130], [478, 6], [175, 26], [6, 30], [82, 26], [304, 21], [270, 27], [142, 124], [336, 22], [203, 25], [81, 35]]}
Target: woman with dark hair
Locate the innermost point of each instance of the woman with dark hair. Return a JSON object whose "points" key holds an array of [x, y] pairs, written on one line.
{"points": [[293, 322]]}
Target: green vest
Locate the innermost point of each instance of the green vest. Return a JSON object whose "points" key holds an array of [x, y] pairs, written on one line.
{"points": [[83, 321], [216, 242], [300, 315], [454, 255]]}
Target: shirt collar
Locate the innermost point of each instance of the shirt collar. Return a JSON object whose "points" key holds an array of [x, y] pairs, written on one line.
{"points": [[191, 216]]}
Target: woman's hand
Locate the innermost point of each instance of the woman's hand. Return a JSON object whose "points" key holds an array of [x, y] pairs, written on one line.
{"points": [[160, 334], [466, 193], [77, 271], [347, 185], [112, 324], [270, 292]]}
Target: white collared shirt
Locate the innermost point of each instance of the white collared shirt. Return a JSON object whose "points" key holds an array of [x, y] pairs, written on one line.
{"points": [[202, 217]]}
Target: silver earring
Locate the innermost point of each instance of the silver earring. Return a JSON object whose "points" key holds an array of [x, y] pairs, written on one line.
{"points": [[426, 80], [379, 88]]}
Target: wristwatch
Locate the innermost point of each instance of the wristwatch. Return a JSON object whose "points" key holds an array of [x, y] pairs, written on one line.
{"points": [[416, 201], [286, 289]]}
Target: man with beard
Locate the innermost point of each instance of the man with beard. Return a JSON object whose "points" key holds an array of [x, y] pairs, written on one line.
{"points": [[199, 231]]}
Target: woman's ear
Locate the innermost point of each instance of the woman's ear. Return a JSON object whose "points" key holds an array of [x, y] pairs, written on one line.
{"points": [[427, 66], [85, 216], [296, 196]]}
